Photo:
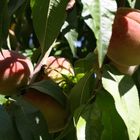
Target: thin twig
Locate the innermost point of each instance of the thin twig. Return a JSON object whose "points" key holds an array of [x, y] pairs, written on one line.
{"points": [[42, 61]]}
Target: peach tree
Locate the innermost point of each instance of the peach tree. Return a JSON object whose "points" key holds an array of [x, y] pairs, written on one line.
{"points": [[69, 69]]}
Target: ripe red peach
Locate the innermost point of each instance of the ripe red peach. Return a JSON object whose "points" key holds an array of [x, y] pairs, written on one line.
{"points": [[54, 113], [124, 47], [15, 71]]}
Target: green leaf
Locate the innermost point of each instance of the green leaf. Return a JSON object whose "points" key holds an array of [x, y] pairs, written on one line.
{"points": [[83, 65], [82, 91], [50, 88], [81, 126], [137, 5], [7, 129], [88, 122], [114, 127], [38, 125], [69, 133], [22, 123], [136, 77], [48, 17], [71, 37], [99, 16], [69, 30], [4, 22], [29, 121], [125, 95], [2, 99], [132, 3], [37, 122], [14, 5]]}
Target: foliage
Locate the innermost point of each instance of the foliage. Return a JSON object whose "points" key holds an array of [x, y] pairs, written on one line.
{"points": [[103, 104]]}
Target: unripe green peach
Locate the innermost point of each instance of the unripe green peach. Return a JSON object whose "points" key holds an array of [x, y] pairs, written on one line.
{"points": [[124, 47], [54, 113], [57, 68], [15, 70]]}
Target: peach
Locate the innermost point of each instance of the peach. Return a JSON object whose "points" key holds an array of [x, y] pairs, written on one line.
{"points": [[15, 70], [57, 68], [124, 47], [54, 113]]}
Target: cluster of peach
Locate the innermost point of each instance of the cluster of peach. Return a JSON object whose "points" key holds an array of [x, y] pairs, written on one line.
{"points": [[16, 69], [15, 74]]}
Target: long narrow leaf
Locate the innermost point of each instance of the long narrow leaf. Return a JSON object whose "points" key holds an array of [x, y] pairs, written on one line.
{"points": [[132, 3], [14, 5], [113, 126], [7, 129], [102, 13], [81, 92], [48, 17], [50, 88]]}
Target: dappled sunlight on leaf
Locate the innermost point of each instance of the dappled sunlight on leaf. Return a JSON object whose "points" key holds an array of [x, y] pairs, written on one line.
{"points": [[81, 126], [126, 99], [100, 21]]}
